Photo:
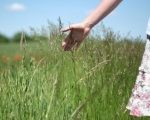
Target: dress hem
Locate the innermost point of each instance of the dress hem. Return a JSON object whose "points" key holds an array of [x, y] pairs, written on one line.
{"points": [[143, 115]]}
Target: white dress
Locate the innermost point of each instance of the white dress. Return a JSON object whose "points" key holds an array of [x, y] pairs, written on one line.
{"points": [[148, 28], [139, 102]]}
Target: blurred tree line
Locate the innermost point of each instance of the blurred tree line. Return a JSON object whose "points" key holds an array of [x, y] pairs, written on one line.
{"points": [[18, 36], [4, 38], [51, 31]]}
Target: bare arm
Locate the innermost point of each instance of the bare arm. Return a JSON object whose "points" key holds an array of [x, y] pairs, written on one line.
{"points": [[79, 31], [101, 11]]}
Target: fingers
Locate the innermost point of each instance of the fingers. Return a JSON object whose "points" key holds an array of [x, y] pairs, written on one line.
{"points": [[74, 45], [68, 42], [66, 29], [72, 41], [65, 42], [69, 47], [67, 39], [70, 27]]}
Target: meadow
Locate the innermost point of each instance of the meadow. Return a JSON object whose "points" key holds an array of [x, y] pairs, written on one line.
{"points": [[42, 82]]}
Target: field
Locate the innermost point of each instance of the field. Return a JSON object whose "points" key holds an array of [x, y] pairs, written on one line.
{"points": [[42, 82]]}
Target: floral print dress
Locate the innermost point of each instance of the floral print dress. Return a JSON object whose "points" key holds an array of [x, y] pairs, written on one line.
{"points": [[139, 102]]}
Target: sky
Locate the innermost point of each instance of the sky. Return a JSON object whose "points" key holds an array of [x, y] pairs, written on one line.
{"points": [[129, 18]]}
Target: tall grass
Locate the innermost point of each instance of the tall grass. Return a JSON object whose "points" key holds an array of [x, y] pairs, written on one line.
{"points": [[93, 83]]}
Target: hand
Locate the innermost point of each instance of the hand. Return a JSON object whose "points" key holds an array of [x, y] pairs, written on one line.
{"points": [[78, 32]]}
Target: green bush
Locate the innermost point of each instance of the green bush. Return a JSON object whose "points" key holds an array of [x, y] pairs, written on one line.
{"points": [[3, 39], [17, 37]]}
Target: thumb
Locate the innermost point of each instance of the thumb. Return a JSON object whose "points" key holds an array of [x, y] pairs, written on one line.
{"points": [[66, 29]]}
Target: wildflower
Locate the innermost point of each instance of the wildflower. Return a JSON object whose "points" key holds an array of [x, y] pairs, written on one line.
{"points": [[17, 58], [5, 59]]}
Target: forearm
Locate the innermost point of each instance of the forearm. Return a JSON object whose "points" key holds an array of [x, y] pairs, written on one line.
{"points": [[105, 7]]}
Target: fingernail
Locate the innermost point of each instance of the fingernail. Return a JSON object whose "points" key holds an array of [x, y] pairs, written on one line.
{"points": [[63, 44]]}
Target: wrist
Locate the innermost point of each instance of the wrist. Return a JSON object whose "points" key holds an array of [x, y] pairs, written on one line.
{"points": [[87, 24]]}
